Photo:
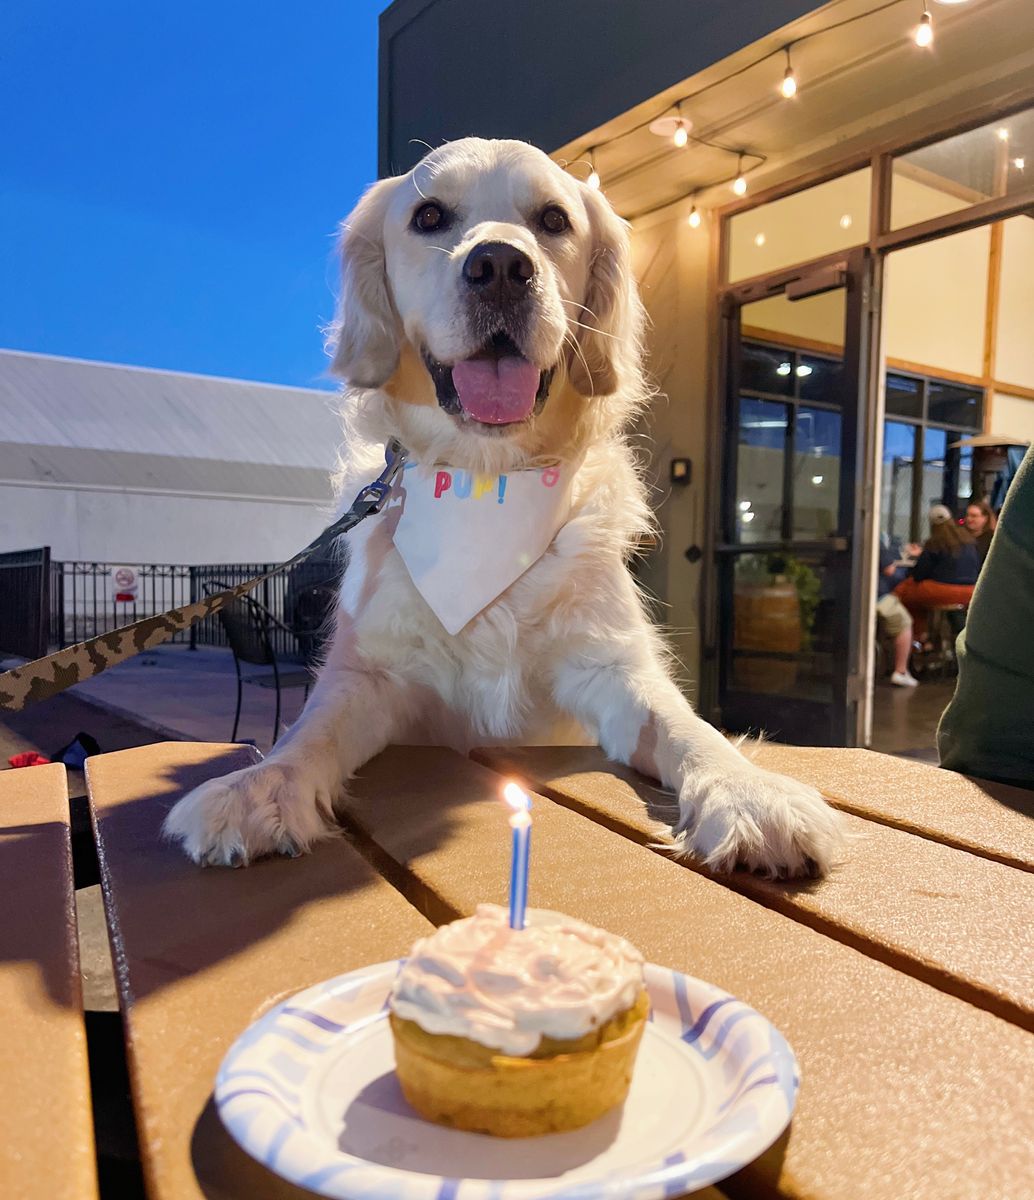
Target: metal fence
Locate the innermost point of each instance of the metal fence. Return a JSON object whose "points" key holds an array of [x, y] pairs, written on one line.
{"points": [[84, 600], [24, 602]]}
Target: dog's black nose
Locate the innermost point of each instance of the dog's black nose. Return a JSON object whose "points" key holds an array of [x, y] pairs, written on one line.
{"points": [[498, 271]]}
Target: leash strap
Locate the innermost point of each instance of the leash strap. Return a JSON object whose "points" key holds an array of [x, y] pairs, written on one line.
{"points": [[46, 677]]}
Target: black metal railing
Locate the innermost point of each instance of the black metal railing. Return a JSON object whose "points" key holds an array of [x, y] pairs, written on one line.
{"points": [[24, 602], [84, 600]]}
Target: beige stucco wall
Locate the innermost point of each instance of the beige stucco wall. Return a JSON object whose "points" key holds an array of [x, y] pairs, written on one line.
{"points": [[671, 263]]}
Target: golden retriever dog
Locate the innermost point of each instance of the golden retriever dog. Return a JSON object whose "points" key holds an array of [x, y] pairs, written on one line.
{"points": [[489, 321]]}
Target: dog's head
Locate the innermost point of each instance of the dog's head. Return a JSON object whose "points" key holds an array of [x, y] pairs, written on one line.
{"points": [[488, 308]]}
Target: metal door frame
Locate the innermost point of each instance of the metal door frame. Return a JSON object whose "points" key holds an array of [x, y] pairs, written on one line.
{"points": [[854, 272]]}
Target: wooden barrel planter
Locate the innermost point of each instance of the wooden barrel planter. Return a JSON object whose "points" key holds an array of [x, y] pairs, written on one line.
{"points": [[767, 617]]}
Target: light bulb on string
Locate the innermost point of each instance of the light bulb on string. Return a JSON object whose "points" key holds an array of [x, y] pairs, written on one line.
{"points": [[739, 184], [694, 217], [593, 180], [789, 85], [681, 135], [923, 35]]}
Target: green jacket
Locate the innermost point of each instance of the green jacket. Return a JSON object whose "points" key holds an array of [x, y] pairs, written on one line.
{"points": [[988, 728]]}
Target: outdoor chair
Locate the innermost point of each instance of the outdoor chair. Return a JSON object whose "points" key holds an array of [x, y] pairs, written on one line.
{"points": [[248, 625]]}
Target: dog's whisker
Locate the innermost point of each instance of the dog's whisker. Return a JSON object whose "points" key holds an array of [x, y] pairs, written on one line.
{"points": [[594, 329], [584, 307]]}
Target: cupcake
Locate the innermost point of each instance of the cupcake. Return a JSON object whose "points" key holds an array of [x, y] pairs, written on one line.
{"points": [[517, 1032]]}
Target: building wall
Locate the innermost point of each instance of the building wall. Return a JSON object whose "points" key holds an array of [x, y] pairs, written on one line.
{"points": [[671, 262], [542, 71], [98, 526]]}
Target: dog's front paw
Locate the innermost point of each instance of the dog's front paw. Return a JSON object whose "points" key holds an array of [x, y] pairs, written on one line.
{"points": [[271, 808], [762, 821]]}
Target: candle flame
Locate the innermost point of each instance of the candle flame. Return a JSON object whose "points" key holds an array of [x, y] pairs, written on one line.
{"points": [[516, 798]]}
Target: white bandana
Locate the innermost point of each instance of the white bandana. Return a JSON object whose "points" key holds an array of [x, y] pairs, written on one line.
{"points": [[465, 538]]}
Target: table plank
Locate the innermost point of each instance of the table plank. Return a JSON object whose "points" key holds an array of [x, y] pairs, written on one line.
{"points": [[991, 819], [954, 919], [46, 1147], [200, 953], [906, 1091]]}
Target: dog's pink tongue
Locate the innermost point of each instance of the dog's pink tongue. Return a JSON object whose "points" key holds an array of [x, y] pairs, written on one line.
{"points": [[496, 391]]}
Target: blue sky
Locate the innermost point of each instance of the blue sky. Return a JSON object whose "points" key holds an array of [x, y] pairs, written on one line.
{"points": [[172, 176]]}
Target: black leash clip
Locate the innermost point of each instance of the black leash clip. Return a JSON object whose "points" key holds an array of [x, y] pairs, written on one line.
{"points": [[375, 495]]}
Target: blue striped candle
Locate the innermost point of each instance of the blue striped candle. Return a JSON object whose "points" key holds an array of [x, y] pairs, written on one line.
{"points": [[520, 823]]}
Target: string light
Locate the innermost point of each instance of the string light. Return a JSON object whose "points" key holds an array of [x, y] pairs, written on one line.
{"points": [[1019, 163], [694, 217], [789, 85], [679, 127], [1003, 134]]}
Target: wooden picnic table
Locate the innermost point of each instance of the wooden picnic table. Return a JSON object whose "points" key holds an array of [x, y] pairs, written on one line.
{"points": [[46, 1121], [904, 982]]}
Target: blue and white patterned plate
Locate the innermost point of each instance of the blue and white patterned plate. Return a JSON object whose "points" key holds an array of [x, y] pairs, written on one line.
{"points": [[310, 1091]]}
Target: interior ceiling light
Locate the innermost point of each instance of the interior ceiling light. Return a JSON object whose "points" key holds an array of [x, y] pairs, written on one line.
{"points": [[759, 240], [674, 126], [924, 30], [846, 221], [789, 85], [594, 176], [1019, 163], [694, 217], [739, 184]]}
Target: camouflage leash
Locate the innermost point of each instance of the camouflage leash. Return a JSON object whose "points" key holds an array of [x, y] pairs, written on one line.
{"points": [[46, 677]]}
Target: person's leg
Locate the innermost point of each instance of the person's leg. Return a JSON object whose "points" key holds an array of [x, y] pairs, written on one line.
{"points": [[902, 650], [899, 625]]}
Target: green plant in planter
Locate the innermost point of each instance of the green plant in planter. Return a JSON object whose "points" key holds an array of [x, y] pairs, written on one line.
{"points": [[808, 585], [763, 568]]}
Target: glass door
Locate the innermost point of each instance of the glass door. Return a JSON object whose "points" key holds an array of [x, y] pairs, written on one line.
{"points": [[786, 612]]}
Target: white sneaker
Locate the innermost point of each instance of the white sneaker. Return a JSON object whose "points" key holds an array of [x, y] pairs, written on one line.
{"points": [[904, 679]]}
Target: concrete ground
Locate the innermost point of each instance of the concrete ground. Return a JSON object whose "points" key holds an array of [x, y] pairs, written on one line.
{"points": [[192, 694]]}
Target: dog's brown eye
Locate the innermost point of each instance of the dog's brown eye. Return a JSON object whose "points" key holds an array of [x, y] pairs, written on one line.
{"points": [[430, 217], [554, 219]]}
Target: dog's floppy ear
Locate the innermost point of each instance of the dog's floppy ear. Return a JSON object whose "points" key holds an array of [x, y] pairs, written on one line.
{"points": [[608, 351], [366, 334]]}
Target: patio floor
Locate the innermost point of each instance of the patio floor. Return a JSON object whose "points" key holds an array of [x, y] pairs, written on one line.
{"points": [[192, 694]]}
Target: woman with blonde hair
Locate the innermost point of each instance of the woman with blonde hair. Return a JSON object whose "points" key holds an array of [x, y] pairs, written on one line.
{"points": [[945, 571]]}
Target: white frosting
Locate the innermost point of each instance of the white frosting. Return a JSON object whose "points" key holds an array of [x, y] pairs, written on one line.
{"points": [[505, 988]]}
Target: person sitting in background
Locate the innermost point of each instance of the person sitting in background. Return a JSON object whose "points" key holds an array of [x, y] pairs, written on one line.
{"points": [[980, 525], [944, 573], [895, 617]]}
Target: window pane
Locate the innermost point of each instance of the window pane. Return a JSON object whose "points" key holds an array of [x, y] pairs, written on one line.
{"points": [[899, 448], [950, 404], [816, 473], [763, 369], [963, 170], [759, 470], [965, 475], [820, 379], [820, 220], [904, 397], [782, 626], [935, 450]]}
